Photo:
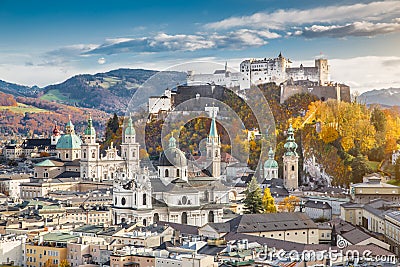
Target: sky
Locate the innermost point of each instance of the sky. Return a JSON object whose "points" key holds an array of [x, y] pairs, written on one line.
{"points": [[46, 42]]}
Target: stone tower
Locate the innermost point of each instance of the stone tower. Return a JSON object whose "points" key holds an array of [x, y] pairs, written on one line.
{"points": [[290, 162], [129, 147], [90, 152], [323, 71], [214, 149]]}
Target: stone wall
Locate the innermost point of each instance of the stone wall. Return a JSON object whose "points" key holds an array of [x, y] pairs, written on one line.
{"points": [[339, 92]]}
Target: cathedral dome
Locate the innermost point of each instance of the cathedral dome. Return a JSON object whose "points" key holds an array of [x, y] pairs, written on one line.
{"points": [[69, 141], [172, 156]]}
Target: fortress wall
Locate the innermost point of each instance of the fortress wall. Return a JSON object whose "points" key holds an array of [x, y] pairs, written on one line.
{"points": [[322, 92]]}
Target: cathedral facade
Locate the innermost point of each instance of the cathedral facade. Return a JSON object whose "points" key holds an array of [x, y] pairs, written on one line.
{"points": [[178, 192]]}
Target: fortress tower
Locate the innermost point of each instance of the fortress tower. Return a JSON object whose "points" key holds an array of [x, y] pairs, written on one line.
{"points": [[323, 71]]}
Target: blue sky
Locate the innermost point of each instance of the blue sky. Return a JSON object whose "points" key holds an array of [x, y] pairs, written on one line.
{"points": [[44, 42]]}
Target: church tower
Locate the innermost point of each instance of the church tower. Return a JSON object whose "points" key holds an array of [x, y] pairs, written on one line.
{"points": [[214, 149], [290, 162], [132, 200], [55, 136], [270, 166], [90, 152], [129, 147]]}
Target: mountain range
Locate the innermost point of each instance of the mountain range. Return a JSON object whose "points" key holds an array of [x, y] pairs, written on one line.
{"points": [[383, 97], [110, 91]]}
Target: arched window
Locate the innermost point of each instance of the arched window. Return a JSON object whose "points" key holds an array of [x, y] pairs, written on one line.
{"points": [[177, 173], [184, 218], [144, 199], [156, 217], [84, 155], [134, 199], [116, 201], [123, 201], [93, 155], [166, 173], [66, 155], [144, 222], [211, 216], [292, 167]]}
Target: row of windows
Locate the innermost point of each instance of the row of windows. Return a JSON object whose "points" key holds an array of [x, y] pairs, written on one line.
{"points": [[123, 200]]}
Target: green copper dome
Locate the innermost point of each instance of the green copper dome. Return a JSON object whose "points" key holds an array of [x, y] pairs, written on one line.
{"points": [[130, 130], [270, 163], [69, 141]]}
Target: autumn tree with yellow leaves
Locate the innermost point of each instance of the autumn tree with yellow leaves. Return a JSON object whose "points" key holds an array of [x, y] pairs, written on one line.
{"points": [[268, 201], [289, 204]]}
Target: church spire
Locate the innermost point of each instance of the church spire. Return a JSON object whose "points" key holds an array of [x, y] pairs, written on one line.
{"points": [[130, 130], [290, 144], [69, 128], [172, 142], [213, 134], [90, 129]]}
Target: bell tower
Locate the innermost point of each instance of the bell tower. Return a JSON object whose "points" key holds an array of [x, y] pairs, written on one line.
{"points": [[90, 153], [129, 146], [291, 162], [214, 148]]}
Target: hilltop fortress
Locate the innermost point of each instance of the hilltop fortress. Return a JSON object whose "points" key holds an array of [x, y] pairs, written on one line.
{"points": [[314, 80], [279, 70]]}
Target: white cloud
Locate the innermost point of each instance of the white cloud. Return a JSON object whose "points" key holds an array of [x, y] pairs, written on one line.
{"points": [[162, 42], [362, 28], [280, 19]]}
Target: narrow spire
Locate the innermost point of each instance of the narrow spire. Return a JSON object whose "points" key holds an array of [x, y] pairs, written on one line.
{"points": [[172, 141], [271, 153], [90, 129], [213, 126]]}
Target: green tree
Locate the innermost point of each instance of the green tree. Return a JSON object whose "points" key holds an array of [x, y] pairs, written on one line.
{"points": [[112, 126], [378, 119], [253, 201], [360, 168], [268, 201]]}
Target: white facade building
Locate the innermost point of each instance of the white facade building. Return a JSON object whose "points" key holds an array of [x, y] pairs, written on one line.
{"points": [[175, 194], [226, 78], [279, 70]]}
